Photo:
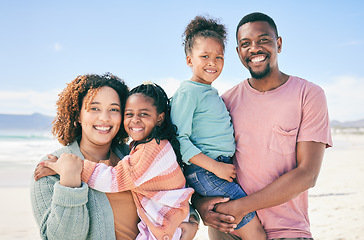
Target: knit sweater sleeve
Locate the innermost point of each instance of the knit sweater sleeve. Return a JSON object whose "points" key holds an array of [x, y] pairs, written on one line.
{"points": [[60, 211], [128, 174], [108, 179], [153, 174]]}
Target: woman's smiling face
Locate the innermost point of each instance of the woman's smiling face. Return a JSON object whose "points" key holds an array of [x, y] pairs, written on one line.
{"points": [[100, 119]]}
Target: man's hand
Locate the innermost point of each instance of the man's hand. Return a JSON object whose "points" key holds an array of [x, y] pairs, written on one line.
{"points": [[232, 208], [206, 205]]}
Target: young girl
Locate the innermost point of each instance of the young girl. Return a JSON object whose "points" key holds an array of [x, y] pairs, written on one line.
{"points": [[205, 131], [151, 171]]}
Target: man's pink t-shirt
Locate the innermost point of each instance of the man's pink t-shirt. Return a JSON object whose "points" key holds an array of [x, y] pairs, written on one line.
{"points": [[267, 127]]}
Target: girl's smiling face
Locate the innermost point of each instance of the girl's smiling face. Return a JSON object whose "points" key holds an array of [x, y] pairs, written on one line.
{"points": [[206, 60], [100, 118], [141, 116]]}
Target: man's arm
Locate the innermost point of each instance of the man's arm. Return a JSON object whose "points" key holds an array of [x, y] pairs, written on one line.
{"points": [[205, 207], [283, 189]]}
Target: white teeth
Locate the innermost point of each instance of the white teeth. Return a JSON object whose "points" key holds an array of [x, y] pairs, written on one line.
{"points": [[103, 128], [257, 59], [136, 129], [210, 71]]}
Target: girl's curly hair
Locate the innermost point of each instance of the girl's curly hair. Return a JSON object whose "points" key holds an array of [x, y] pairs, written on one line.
{"points": [[203, 27], [66, 127]]}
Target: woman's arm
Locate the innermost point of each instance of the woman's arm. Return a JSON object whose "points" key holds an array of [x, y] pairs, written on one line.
{"points": [[60, 211]]}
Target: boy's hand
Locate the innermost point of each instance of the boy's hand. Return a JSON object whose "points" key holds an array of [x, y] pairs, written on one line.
{"points": [[225, 171], [42, 171]]}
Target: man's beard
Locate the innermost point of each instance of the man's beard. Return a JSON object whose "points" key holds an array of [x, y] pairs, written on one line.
{"points": [[261, 74]]}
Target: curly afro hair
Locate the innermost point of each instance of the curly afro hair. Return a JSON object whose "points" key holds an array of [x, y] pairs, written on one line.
{"points": [[66, 127], [203, 27]]}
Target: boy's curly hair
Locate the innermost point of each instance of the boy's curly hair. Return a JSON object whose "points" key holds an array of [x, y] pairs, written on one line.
{"points": [[203, 27], [66, 127]]}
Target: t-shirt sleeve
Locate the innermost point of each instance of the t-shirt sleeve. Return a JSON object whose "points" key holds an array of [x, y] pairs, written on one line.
{"points": [[315, 123], [183, 106]]}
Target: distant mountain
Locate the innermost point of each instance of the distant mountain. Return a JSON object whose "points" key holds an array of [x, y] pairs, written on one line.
{"points": [[348, 124], [35, 121], [38, 121]]}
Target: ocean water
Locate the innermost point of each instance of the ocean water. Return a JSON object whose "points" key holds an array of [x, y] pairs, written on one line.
{"points": [[25, 148]]}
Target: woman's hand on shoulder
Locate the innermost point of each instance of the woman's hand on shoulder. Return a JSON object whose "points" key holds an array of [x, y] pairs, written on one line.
{"points": [[42, 171], [69, 168]]}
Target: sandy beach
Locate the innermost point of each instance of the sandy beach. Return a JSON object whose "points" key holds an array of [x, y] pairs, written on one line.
{"points": [[336, 202]]}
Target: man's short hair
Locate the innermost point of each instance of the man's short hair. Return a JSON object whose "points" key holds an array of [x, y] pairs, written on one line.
{"points": [[255, 17]]}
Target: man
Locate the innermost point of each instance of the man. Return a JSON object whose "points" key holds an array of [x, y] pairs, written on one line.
{"points": [[281, 130]]}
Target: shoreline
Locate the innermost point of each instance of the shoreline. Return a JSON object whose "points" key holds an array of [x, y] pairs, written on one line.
{"points": [[338, 195]]}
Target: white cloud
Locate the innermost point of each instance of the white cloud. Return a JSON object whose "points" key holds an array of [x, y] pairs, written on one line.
{"points": [[28, 102], [345, 98], [352, 43], [344, 94], [170, 85], [222, 85], [57, 47]]}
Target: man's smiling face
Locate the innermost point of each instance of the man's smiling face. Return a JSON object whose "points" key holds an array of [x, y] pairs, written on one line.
{"points": [[258, 47]]}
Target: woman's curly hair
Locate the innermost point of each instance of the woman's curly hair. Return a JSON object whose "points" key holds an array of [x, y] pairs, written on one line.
{"points": [[66, 127], [203, 27]]}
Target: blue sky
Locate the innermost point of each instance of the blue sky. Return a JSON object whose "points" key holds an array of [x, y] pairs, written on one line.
{"points": [[46, 44]]}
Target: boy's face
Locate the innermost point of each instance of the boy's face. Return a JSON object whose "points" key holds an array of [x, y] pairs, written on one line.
{"points": [[258, 48]]}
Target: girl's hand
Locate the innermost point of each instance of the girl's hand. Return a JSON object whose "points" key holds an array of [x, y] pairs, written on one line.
{"points": [[225, 171], [189, 229], [69, 168], [42, 171]]}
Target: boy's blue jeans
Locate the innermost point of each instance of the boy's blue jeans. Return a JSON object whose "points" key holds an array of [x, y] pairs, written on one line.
{"points": [[208, 184]]}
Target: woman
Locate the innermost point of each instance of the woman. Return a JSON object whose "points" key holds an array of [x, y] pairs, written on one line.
{"points": [[89, 116]]}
